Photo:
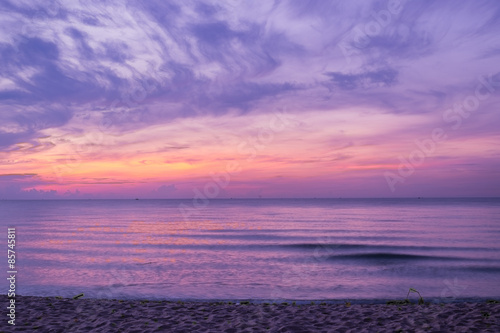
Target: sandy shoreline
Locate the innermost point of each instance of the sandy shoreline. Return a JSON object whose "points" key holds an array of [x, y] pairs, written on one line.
{"points": [[51, 314]]}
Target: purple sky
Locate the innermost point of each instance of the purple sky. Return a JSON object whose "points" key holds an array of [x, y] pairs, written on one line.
{"points": [[173, 99]]}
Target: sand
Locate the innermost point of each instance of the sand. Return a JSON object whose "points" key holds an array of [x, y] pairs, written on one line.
{"points": [[41, 314]]}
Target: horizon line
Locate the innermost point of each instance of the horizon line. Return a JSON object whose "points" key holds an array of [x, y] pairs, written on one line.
{"points": [[257, 198]]}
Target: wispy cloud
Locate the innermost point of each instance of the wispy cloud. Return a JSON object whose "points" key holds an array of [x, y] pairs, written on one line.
{"points": [[18, 175]]}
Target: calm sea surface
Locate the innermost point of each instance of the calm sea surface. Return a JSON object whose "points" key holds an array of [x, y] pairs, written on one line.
{"points": [[301, 249]]}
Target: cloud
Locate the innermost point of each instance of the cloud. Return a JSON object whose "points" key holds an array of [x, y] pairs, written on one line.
{"points": [[23, 186], [10, 176], [25, 125], [37, 194], [379, 78], [166, 189], [244, 94]]}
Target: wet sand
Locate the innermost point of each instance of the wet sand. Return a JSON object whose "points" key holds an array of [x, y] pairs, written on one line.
{"points": [[42, 314]]}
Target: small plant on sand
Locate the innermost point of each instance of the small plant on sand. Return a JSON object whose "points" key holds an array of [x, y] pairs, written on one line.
{"points": [[407, 301], [485, 314], [78, 296], [420, 301]]}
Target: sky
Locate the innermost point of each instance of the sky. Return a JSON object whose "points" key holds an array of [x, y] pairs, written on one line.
{"points": [[249, 99]]}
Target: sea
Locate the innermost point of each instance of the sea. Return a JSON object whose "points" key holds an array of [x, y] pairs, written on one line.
{"points": [[335, 250]]}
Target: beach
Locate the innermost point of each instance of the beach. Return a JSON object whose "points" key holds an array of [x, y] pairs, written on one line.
{"points": [[51, 314]]}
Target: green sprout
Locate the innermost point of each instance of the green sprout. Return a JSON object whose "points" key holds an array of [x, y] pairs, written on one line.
{"points": [[420, 301], [78, 296]]}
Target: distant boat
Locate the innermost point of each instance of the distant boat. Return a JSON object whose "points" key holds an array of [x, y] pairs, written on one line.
{"points": [[136, 199]]}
